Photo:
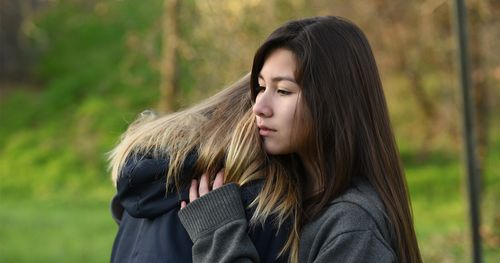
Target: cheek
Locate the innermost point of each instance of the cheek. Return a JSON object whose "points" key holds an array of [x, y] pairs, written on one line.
{"points": [[292, 114], [302, 125]]}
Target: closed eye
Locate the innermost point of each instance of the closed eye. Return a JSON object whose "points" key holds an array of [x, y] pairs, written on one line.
{"points": [[284, 92], [261, 89]]}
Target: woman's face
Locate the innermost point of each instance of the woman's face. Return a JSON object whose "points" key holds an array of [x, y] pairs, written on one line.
{"points": [[278, 103]]}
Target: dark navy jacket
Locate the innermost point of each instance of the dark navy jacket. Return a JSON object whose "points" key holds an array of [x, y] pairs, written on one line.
{"points": [[149, 229]]}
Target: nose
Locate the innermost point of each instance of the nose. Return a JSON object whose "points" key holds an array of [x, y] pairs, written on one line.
{"points": [[262, 106]]}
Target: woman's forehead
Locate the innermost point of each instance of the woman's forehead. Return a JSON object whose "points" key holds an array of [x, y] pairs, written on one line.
{"points": [[279, 65]]}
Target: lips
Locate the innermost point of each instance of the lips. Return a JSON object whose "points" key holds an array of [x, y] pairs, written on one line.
{"points": [[265, 131]]}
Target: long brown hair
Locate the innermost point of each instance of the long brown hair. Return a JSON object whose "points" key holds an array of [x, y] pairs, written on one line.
{"points": [[350, 126], [221, 130]]}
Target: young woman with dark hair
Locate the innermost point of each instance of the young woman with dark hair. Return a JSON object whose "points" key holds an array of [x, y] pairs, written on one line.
{"points": [[321, 111]]}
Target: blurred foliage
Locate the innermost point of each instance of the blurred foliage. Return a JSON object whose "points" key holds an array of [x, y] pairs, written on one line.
{"points": [[98, 67], [94, 82]]}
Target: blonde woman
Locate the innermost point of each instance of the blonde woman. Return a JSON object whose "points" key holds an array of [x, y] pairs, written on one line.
{"points": [[318, 99], [157, 158]]}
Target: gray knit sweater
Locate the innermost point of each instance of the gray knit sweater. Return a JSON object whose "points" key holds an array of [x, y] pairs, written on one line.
{"points": [[354, 228]]}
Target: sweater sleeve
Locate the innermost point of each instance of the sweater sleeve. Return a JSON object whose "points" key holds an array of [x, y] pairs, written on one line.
{"points": [[217, 225], [355, 246]]}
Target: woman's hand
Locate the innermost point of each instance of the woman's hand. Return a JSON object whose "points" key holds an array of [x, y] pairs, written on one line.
{"points": [[196, 191]]}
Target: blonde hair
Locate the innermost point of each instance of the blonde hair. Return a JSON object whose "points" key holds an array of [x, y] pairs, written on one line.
{"points": [[222, 131]]}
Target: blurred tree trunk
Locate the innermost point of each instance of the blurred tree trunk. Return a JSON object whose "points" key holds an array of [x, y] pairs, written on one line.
{"points": [[477, 16], [169, 68], [11, 53], [15, 57]]}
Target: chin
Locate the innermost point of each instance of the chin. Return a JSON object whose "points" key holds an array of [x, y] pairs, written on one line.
{"points": [[275, 150]]}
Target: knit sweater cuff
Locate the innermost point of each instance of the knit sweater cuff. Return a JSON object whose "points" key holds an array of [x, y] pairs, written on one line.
{"points": [[211, 211]]}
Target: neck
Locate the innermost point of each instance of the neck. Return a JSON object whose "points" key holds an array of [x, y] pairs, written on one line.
{"points": [[312, 185]]}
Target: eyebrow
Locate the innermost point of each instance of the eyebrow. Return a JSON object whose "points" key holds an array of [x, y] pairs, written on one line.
{"points": [[280, 78]]}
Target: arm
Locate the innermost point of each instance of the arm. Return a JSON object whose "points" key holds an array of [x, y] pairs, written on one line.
{"points": [[355, 246], [217, 225]]}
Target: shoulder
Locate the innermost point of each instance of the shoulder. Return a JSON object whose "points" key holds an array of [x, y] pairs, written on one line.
{"points": [[360, 208], [146, 168], [343, 216], [360, 202], [139, 170], [354, 220]]}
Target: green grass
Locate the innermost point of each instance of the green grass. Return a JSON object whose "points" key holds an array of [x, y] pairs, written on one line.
{"points": [[440, 205], [439, 214], [55, 230]]}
